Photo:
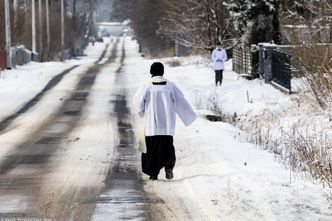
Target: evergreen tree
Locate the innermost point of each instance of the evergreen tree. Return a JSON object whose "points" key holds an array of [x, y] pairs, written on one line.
{"points": [[256, 20], [238, 12]]}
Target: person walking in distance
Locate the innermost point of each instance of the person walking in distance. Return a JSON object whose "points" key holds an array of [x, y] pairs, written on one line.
{"points": [[158, 102], [219, 56]]}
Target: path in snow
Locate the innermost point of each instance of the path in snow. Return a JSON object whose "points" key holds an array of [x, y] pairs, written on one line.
{"points": [[81, 164], [52, 83], [24, 169], [123, 197]]}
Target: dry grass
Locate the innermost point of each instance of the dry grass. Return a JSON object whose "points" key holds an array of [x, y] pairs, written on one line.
{"points": [[307, 152], [313, 51], [174, 62], [311, 155], [316, 62], [164, 54], [218, 114]]}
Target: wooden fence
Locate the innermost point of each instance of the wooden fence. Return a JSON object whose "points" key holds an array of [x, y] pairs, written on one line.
{"points": [[242, 59]]}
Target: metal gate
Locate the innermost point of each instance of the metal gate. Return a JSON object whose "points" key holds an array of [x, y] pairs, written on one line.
{"points": [[281, 70]]}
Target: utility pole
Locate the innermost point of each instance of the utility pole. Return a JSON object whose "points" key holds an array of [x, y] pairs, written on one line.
{"points": [[62, 26], [8, 35], [15, 20], [33, 22], [40, 18], [74, 30], [48, 28]]}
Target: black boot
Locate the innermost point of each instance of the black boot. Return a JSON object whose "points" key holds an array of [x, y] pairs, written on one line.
{"points": [[169, 174], [153, 177]]}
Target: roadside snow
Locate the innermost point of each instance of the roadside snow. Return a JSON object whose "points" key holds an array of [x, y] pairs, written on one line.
{"points": [[27, 81], [218, 175]]}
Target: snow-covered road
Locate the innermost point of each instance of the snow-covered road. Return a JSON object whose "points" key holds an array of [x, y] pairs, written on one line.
{"points": [[56, 154], [72, 154]]}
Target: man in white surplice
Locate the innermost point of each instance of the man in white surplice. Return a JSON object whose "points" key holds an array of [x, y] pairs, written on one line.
{"points": [[158, 102], [219, 57]]}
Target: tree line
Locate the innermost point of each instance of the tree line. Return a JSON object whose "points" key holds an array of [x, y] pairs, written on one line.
{"points": [[199, 24]]}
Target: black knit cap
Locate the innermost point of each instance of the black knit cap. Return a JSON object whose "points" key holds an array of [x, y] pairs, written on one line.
{"points": [[157, 69]]}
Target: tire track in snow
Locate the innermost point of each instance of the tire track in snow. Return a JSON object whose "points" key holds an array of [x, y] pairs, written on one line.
{"points": [[123, 197], [22, 171], [54, 131], [32, 102]]}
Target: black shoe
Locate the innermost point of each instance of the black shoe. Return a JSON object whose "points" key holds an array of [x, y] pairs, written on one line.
{"points": [[169, 174], [153, 177]]}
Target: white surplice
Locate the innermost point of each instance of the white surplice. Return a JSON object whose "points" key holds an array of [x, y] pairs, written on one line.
{"points": [[219, 57], [159, 104]]}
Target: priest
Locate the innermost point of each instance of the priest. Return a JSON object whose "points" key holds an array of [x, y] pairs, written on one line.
{"points": [[158, 102]]}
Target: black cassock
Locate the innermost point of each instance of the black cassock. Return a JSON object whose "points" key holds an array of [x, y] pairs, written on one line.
{"points": [[160, 153]]}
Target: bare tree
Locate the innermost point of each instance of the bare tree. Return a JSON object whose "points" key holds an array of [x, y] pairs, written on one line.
{"points": [[311, 33], [198, 23], [146, 17]]}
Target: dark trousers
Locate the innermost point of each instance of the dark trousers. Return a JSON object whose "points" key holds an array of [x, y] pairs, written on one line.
{"points": [[219, 75], [160, 153]]}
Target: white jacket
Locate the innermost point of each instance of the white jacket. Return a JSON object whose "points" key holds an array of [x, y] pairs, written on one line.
{"points": [[219, 57], [158, 104]]}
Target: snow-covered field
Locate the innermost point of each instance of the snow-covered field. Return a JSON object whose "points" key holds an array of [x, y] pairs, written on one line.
{"points": [[218, 175]]}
